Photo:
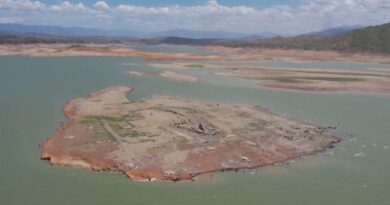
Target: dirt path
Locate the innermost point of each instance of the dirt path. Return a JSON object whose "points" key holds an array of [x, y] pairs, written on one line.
{"points": [[109, 129]]}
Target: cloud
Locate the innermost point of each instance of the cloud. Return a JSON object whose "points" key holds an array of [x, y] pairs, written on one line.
{"points": [[21, 5], [66, 6], [211, 8], [101, 5], [309, 15]]}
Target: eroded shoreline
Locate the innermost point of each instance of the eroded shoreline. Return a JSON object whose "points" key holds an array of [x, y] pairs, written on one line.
{"points": [[172, 138], [220, 53], [316, 80], [166, 74], [233, 63]]}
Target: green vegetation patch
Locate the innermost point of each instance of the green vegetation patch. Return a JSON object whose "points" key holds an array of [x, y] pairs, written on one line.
{"points": [[182, 140], [136, 134], [76, 46], [194, 66], [114, 123], [116, 127], [91, 119]]}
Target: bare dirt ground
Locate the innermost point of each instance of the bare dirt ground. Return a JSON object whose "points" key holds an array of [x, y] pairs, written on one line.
{"points": [[55, 50], [299, 56], [374, 80], [315, 79], [166, 74], [220, 53], [172, 138], [233, 61]]}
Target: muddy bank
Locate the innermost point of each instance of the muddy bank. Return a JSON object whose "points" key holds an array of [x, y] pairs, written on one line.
{"points": [[173, 138], [315, 79], [299, 56], [56, 50], [219, 53], [166, 74]]}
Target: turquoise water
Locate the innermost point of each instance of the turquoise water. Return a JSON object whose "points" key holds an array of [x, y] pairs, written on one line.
{"points": [[32, 91]]}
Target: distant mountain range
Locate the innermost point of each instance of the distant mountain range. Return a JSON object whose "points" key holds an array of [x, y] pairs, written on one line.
{"points": [[181, 33], [334, 30], [373, 39], [79, 31], [66, 31]]}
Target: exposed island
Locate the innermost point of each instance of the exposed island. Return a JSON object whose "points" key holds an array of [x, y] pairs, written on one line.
{"points": [[166, 74], [317, 80], [173, 138]]}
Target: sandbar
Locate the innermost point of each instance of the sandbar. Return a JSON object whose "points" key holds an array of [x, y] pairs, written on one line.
{"points": [[166, 74], [315, 79]]}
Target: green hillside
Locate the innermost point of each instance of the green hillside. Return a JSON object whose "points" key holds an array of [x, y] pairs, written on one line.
{"points": [[375, 39]]}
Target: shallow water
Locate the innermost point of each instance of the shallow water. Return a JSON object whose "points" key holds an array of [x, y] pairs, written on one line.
{"points": [[32, 91]]}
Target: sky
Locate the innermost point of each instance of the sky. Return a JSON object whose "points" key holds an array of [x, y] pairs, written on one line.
{"points": [[241, 16]]}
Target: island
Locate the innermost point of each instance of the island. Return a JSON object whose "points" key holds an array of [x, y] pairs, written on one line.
{"points": [[176, 138]]}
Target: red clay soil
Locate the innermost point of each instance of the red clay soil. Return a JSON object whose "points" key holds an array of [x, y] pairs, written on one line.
{"points": [[72, 144]]}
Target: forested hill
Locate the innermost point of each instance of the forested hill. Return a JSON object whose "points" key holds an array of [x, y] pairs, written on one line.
{"points": [[374, 39]]}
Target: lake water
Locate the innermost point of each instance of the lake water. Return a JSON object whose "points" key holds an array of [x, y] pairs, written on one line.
{"points": [[32, 91]]}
